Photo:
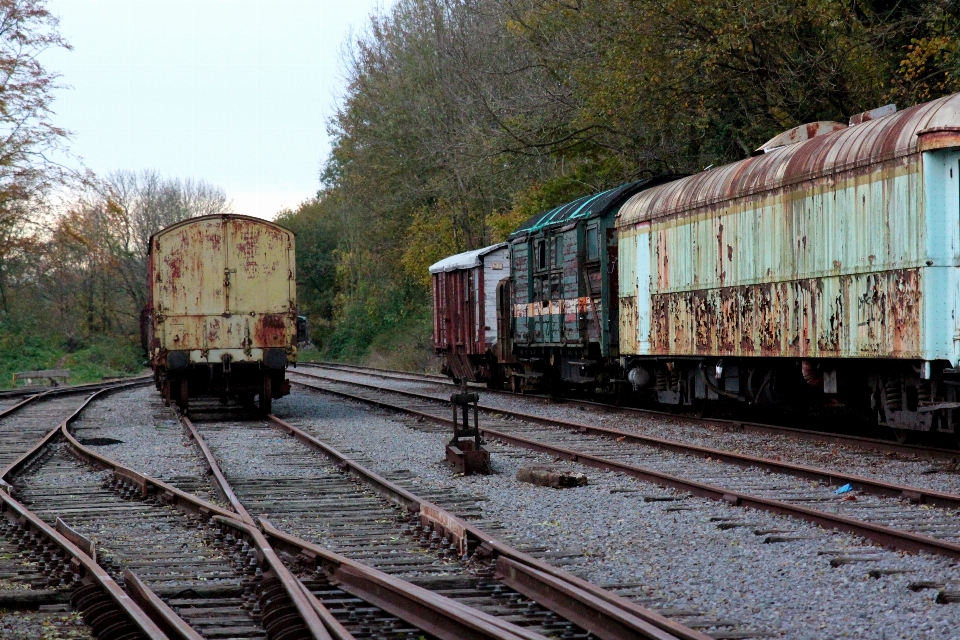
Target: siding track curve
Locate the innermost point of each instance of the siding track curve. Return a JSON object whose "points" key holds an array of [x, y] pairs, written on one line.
{"points": [[887, 513]]}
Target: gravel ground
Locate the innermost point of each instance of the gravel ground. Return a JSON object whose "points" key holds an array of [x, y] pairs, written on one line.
{"points": [[280, 460], [148, 438], [674, 549], [45, 625], [838, 458]]}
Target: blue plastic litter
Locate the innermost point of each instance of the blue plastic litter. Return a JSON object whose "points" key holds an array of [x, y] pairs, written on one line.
{"points": [[844, 489]]}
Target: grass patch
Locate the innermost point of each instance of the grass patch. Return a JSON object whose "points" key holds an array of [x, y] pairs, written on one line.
{"points": [[387, 336], [107, 357], [88, 361]]}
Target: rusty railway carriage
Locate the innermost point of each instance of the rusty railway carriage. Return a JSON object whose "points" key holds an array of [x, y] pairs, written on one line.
{"points": [[465, 328], [823, 272], [561, 301], [221, 318], [823, 269]]}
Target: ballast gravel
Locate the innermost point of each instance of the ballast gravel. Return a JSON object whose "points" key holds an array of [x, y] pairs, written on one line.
{"points": [[136, 429], [146, 434], [52, 623], [684, 554], [898, 469]]}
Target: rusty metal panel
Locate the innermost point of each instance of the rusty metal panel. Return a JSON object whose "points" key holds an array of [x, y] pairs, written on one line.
{"points": [[628, 291], [187, 275], [863, 223], [259, 278], [520, 257], [801, 133], [876, 141], [845, 245], [781, 277], [845, 316], [258, 259], [830, 268], [224, 284]]}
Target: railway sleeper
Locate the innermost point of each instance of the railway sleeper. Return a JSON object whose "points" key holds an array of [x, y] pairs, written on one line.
{"points": [[50, 574]]}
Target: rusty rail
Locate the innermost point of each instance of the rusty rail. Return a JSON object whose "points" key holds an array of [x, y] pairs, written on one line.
{"points": [[860, 483], [99, 611], [740, 426], [76, 388], [158, 610], [192, 504], [607, 610], [321, 622], [220, 481], [887, 536], [434, 614], [321, 626], [142, 614], [429, 612]]}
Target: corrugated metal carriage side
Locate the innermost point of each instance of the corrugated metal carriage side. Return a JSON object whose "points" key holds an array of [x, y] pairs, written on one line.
{"points": [[825, 268], [222, 318]]}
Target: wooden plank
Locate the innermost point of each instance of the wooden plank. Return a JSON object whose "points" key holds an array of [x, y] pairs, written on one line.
{"points": [[48, 373]]}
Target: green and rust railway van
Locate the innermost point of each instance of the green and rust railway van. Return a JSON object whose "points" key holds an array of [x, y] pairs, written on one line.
{"points": [[561, 302]]}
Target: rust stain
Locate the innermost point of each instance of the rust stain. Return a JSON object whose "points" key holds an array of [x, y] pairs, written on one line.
{"points": [[876, 313], [212, 289], [270, 330]]}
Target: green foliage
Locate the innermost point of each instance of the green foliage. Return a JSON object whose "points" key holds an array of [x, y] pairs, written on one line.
{"points": [[430, 238], [317, 240], [464, 118], [105, 357], [369, 315], [101, 357], [587, 177]]}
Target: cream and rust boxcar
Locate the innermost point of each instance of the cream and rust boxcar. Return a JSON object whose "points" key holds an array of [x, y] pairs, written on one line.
{"points": [[221, 315], [826, 264]]}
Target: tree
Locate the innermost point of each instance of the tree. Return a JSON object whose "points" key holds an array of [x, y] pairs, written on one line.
{"points": [[28, 137], [143, 203]]}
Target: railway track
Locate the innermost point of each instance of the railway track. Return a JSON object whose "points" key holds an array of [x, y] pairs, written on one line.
{"points": [[125, 530], [8, 396], [871, 445], [340, 504], [45, 571], [24, 423], [164, 549], [213, 574], [896, 516]]}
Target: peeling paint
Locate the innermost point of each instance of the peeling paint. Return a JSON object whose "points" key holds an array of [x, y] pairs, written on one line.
{"points": [[823, 248], [216, 277]]}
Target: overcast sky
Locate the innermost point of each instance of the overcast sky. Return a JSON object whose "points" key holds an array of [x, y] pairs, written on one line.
{"points": [[234, 92]]}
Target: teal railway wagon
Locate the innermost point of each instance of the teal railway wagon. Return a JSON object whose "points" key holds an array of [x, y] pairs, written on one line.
{"points": [[561, 301], [824, 270]]}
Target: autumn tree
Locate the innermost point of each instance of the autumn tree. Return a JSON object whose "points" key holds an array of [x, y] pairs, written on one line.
{"points": [[461, 118], [140, 204], [28, 137]]}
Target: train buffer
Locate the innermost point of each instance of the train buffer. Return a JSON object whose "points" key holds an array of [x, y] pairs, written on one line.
{"points": [[55, 376], [465, 451]]}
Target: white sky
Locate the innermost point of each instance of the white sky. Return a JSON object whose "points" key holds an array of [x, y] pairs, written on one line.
{"points": [[234, 92]]}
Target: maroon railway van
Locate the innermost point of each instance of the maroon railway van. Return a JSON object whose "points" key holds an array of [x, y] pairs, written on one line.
{"points": [[465, 311]]}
